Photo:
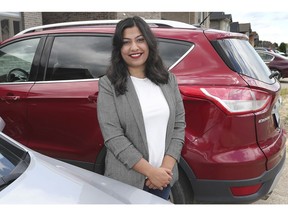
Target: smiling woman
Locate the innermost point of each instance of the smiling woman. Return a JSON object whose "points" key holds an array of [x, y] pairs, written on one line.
{"points": [[142, 151], [135, 51]]}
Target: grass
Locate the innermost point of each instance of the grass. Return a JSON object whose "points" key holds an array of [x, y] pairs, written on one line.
{"points": [[284, 109], [284, 92]]}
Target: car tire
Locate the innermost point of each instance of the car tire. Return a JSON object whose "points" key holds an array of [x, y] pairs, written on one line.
{"points": [[181, 192]]}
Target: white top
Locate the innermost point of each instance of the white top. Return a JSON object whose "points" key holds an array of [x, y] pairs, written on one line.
{"points": [[156, 112]]}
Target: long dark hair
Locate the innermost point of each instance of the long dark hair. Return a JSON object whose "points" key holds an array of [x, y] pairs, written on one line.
{"points": [[118, 71]]}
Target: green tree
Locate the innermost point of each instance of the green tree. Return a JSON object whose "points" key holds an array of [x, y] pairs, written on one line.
{"points": [[282, 47]]}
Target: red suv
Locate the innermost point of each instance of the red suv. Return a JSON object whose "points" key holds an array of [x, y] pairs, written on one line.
{"points": [[235, 146]]}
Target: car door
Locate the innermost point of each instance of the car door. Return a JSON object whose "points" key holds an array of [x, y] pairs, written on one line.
{"points": [[62, 112], [18, 62]]}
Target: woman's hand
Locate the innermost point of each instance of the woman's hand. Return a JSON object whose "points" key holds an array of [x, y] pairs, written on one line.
{"points": [[158, 178], [167, 165]]}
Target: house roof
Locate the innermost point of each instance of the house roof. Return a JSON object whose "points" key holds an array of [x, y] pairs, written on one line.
{"points": [[240, 27], [220, 16]]}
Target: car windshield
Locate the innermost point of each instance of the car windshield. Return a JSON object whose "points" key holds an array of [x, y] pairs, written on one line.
{"points": [[241, 57], [13, 162]]}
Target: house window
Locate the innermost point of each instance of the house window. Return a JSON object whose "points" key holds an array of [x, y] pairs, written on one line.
{"points": [[10, 24], [200, 17], [4, 29], [16, 26]]}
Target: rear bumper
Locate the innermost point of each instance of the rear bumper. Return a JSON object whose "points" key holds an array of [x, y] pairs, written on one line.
{"points": [[215, 191]]}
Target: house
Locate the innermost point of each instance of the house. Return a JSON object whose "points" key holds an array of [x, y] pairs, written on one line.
{"points": [[245, 28], [12, 23], [220, 20]]}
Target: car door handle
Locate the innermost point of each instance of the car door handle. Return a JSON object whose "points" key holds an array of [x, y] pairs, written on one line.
{"points": [[93, 98], [10, 98]]}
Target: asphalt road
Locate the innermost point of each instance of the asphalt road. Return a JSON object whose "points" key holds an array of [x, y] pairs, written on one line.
{"points": [[280, 193]]}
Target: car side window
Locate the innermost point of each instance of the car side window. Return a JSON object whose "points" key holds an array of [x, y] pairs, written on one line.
{"points": [[172, 51], [16, 60], [79, 57]]}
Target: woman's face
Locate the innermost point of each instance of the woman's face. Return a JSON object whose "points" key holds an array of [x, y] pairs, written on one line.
{"points": [[135, 49]]}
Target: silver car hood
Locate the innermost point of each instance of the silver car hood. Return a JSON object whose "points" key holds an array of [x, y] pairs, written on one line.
{"points": [[50, 181]]}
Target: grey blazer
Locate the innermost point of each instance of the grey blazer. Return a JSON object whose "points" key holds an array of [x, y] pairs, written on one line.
{"points": [[123, 130]]}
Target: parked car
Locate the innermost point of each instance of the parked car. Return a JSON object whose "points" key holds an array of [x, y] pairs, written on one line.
{"points": [[234, 144], [279, 52], [32, 178], [263, 49], [276, 62]]}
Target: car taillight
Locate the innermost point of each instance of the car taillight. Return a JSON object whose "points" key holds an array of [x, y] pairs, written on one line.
{"points": [[245, 190], [233, 100]]}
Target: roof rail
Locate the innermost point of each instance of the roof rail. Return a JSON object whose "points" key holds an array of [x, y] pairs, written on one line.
{"points": [[151, 22]]}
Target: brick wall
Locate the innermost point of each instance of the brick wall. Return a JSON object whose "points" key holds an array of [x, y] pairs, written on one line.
{"points": [[31, 19], [147, 15], [186, 17], [34, 18], [56, 17]]}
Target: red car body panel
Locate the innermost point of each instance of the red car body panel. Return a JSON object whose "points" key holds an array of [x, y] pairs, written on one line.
{"points": [[51, 117], [14, 109]]}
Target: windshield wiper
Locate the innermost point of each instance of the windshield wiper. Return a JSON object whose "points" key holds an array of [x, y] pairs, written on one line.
{"points": [[274, 74]]}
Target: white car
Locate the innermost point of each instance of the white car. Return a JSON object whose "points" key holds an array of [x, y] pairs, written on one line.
{"points": [[27, 177]]}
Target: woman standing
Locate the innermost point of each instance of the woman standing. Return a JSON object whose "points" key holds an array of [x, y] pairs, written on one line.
{"points": [[140, 112]]}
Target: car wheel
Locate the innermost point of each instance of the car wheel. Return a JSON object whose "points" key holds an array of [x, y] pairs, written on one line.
{"points": [[181, 192]]}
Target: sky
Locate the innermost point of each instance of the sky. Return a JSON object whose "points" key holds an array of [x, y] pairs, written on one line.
{"points": [[270, 26], [268, 18]]}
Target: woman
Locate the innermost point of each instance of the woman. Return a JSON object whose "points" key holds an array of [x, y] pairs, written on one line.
{"points": [[140, 112]]}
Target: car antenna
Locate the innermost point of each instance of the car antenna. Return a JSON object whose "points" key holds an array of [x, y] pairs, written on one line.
{"points": [[205, 18]]}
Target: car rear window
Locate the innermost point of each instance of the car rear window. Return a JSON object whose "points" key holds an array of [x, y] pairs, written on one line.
{"points": [[241, 57]]}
